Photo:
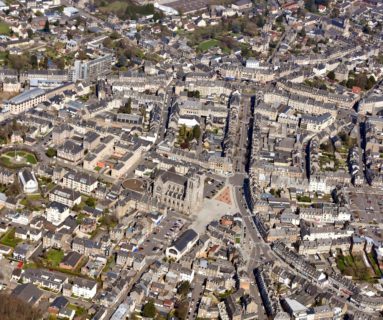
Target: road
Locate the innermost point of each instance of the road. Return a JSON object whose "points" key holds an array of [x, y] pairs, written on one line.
{"points": [[126, 291], [197, 293]]}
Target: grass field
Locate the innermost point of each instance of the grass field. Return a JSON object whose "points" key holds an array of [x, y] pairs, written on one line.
{"points": [[9, 239], [4, 29], [354, 266], [54, 257], [206, 45], [114, 7], [8, 159]]}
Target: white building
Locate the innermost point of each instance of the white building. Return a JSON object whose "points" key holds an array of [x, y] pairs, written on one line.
{"points": [[28, 181], [83, 288], [182, 245], [25, 101], [57, 213], [70, 11], [79, 181]]}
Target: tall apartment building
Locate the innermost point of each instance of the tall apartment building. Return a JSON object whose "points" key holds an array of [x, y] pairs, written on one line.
{"points": [[91, 70]]}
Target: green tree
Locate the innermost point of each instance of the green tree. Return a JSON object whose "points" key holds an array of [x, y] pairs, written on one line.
{"points": [[182, 310], [196, 132], [82, 55], [114, 35], [127, 107], [331, 75], [158, 15], [60, 62], [91, 202], [121, 61], [182, 131], [46, 27], [184, 288], [30, 33], [149, 310], [51, 152], [34, 61]]}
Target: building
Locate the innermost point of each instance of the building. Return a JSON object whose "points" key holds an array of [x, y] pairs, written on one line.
{"points": [[71, 261], [182, 245], [84, 288], [91, 70], [25, 101], [179, 192], [65, 196], [79, 181], [28, 293], [45, 279], [57, 212], [70, 151], [28, 181]]}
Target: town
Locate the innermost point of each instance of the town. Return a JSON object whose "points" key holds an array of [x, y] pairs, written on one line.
{"points": [[212, 159]]}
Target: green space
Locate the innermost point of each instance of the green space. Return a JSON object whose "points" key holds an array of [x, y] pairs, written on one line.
{"points": [[374, 264], [80, 311], [109, 264], [9, 239], [125, 9], [186, 135], [8, 159], [354, 266], [4, 29], [303, 199], [54, 257], [206, 45]]}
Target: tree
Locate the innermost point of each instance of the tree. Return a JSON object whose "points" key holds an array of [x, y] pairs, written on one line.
{"points": [[127, 108], [121, 61], [158, 15], [91, 202], [46, 27], [12, 308], [108, 43], [196, 132], [182, 131], [310, 5], [34, 62], [30, 33], [184, 288], [182, 310], [51, 152], [60, 62], [302, 33], [149, 310], [82, 55], [331, 75], [114, 35]]}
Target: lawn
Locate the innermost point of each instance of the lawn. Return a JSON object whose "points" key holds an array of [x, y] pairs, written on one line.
{"points": [[4, 29], [7, 159], [9, 239], [54, 257], [206, 45], [79, 310], [114, 7], [354, 266], [374, 265]]}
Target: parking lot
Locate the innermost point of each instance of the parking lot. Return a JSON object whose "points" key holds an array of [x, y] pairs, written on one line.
{"points": [[212, 187], [366, 206]]}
